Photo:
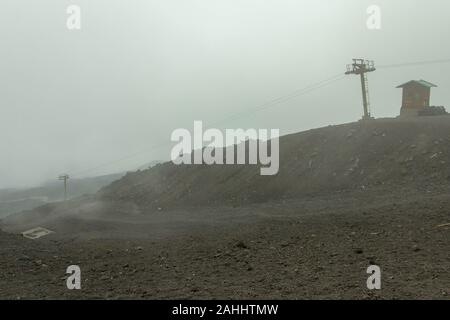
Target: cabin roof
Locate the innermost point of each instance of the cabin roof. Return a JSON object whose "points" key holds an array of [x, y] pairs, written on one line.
{"points": [[419, 82]]}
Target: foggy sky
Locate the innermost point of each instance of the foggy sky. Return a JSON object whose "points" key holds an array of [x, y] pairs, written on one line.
{"points": [[137, 70]]}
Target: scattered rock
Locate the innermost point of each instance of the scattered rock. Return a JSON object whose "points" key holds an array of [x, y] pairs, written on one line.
{"points": [[241, 245]]}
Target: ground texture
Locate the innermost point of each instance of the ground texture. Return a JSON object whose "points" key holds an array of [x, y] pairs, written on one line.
{"points": [[347, 197]]}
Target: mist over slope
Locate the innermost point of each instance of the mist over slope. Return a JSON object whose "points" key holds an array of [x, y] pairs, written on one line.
{"points": [[352, 166], [388, 154], [16, 200]]}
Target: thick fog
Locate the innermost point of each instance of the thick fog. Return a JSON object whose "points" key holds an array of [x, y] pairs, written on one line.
{"points": [[77, 101]]}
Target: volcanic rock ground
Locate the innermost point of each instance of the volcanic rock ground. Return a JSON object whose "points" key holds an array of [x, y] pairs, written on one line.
{"points": [[346, 197]]}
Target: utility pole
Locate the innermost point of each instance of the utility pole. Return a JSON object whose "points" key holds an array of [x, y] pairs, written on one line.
{"points": [[362, 67], [64, 178]]}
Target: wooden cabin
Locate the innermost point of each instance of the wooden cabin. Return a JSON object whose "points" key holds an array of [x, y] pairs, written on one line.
{"points": [[416, 97]]}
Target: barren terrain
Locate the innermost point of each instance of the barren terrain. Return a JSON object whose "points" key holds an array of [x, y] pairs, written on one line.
{"points": [[346, 197]]}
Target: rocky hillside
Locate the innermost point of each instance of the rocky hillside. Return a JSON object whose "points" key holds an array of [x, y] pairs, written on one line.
{"points": [[384, 154]]}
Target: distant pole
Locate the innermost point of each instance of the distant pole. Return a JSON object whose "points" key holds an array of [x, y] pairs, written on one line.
{"points": [[64, 178], [362, 67], [364, 96]]}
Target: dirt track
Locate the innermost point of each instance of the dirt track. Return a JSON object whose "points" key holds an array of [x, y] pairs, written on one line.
{"points": [[300, 249]]}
